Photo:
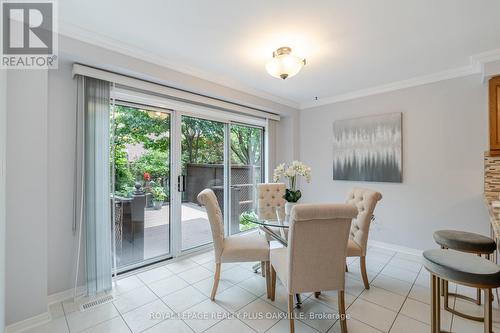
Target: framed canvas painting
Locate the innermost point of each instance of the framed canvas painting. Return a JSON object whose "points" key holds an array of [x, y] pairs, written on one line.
{"points": [[368, 148]]}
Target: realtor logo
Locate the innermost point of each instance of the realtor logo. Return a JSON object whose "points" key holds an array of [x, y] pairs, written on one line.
{"points": [[28, 34]]}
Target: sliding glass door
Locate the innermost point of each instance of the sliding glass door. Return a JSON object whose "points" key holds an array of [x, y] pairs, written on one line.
{"points": [[160, 160], [140, 169], [247, 170], [202, 166]]}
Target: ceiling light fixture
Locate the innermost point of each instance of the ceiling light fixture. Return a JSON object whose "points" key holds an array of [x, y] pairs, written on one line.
{"points": [[283, 64]]}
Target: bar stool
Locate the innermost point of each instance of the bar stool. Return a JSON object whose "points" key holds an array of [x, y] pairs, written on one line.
{"points": [[464, 242], [464, 269]]}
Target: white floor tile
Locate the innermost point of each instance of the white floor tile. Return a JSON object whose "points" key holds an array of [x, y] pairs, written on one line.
{"points": [[155, 274], [115, 325], [461, 325], [127, 284], [147, 316], [256, 285], [281, 298], [410, 265], [170, 326], [224, 266], [79, 321], [407, 256], [405, 324], [195, 274], [372, 314], [234, 298], [317, 315], [354, 286], [57, 325], [134, 299], [400, 273], [384, 298], [56, 310], [167, 286], [393, 285], [236, 274], [203, 258], [230, 326], [204, 315], [260, 315], [354, 326], [181, 265], [330, 298], [422, 312], [423, 279], [183, 299], [205, 286], [283, 326]]}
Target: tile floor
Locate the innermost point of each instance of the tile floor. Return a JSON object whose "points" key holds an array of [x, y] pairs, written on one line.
{"points": [[398, 302]]}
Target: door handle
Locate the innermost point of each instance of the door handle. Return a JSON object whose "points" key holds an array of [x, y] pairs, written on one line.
{"points": [[181, 183]]}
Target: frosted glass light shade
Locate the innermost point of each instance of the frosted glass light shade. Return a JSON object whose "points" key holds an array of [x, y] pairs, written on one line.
{"points": [[283, 64]]}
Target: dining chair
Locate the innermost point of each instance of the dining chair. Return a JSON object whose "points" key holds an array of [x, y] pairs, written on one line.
{"points": [[271, 204], [307, 265], [365, 201], [239, 248]]}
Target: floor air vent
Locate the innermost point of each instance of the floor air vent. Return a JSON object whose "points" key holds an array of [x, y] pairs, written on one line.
{"points": [[96, 302]]}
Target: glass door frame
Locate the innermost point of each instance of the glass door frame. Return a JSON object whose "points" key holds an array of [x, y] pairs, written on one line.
{"points": [[177, 109], [170, 254]]}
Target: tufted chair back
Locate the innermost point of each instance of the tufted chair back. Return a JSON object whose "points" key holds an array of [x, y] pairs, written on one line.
{"points": [[208, 199], [316, 229], [365, 201], [270, 198]]}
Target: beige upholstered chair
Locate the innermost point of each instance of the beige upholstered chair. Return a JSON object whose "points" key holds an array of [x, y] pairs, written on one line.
{"points": [[239, 248], [271, 204], [365, 201], [306, 265], [270, 200]]}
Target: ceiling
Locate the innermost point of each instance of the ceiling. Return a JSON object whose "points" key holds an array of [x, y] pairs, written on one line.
{"points": [[350, 45]]}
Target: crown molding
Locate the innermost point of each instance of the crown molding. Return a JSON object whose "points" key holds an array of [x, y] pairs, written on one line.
{"points": [[478, 65], [83, 35], [487, 63], [398, 85]]}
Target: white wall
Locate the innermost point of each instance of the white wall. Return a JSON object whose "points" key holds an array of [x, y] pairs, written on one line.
{"points": [[62, 102], [444, 138], [26, 278], [3, 114]]}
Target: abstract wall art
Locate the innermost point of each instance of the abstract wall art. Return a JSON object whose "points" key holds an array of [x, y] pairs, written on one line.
{"points": [[368, 148]]}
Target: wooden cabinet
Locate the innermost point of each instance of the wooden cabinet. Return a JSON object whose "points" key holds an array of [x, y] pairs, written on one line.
{"points": [[494, 94]]}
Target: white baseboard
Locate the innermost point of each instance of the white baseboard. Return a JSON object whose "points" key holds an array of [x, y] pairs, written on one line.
{"points": [[65, 295], [397, 248], [29, 323]]}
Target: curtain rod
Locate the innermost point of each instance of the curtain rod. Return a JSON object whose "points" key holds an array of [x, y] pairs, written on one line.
{"points": [[187, 96]]}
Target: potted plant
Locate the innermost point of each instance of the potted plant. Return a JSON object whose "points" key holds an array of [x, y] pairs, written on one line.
{"points": [[291, 174], [159, 197]]}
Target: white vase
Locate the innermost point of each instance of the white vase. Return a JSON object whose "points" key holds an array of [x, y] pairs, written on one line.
{"points": [[288, 207]]}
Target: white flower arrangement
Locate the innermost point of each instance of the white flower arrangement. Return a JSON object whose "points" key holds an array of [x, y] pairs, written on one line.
{"points": [[291, 173]]}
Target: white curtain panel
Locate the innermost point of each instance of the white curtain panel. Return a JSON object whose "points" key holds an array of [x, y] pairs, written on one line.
{"points": [[92, 179]]}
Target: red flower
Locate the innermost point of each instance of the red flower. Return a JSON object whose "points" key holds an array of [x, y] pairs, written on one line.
{"points": [[147, 177]]}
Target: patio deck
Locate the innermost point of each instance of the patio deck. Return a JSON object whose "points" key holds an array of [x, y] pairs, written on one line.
{"points": [[156, 240]]}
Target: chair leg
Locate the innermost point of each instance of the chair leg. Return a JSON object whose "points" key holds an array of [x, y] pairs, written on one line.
{"points": [[435, 304], [488, 315], [216, 281], [273, 283], [263, 268], [362, 263], [290, 313], [342, 317], [268, 278], [346, 268], [317, 293]]}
